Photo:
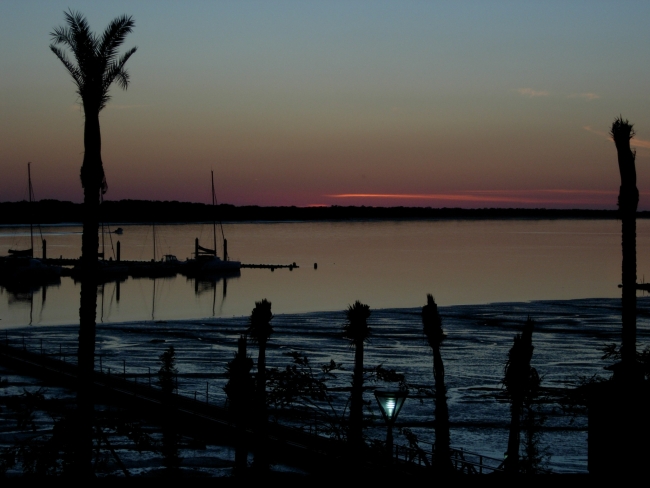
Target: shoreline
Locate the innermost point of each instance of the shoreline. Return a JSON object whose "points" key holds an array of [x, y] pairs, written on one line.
{"points": [[141, 212]]}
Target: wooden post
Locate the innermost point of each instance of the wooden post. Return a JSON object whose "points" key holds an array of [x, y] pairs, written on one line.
{"points": [[207, 386], [196, 248], [44, 249], [225, 249], [118, 253]]}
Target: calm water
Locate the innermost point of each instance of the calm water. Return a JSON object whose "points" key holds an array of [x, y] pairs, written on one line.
{"points": [[383, 264], [573, 266]]}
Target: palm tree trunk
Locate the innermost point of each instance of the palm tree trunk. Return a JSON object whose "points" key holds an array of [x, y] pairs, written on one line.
{"points": [[443, 455], [91, 181], [511, 464], [628, 347], [261, 458], [356, 400], [628, 201]]}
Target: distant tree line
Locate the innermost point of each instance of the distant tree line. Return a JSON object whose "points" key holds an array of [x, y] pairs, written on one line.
{"points": [[140, 211]]}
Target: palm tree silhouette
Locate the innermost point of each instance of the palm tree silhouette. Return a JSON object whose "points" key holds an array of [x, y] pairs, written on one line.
{"points": [[240, 389], [520, 380], [628, 199], [356, 330], [432, 327], [97, 67], [260, 331]]}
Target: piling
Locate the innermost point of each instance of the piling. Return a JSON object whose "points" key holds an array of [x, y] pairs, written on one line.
{"points": [[44, 249], [118, 253]]}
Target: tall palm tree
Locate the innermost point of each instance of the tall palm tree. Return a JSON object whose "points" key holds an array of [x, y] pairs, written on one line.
{"points": [[520, 379], [357, 331], [240, 389], [260, 331], [97, 66], [432, 326], [628, 199]]}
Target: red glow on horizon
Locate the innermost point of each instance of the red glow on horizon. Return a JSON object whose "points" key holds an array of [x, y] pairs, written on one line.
{"points": [[531, 197]]}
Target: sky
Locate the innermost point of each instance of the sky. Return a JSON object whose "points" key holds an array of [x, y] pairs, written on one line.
{"points": [[441, 104]]}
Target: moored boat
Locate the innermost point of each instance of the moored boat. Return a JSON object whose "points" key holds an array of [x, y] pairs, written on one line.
{"points": [[206, 261]]}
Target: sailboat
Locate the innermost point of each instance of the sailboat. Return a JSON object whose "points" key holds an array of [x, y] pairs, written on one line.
{"points": [[206, 261], [20, 265]]}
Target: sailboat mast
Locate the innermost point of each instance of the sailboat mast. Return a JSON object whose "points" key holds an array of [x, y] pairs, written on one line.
{"points": [[214, 221], [31, 210]]}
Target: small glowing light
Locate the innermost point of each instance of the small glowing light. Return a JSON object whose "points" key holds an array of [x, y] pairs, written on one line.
{"points": [[390, 407], [390, 403]]}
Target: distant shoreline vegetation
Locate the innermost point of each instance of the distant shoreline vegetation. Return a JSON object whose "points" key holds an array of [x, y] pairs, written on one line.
{"points": [[146, 211]]}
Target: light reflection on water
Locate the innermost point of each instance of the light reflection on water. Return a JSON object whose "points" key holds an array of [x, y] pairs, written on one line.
{"points": [[385, 264]]}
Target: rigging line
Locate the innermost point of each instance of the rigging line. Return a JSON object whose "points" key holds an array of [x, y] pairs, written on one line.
{"points": [[31, 210], [144, 245], [214, 195], [33, 198], [214, 223], [102, 318], [110, 305], [110, 236], [223, 297], [101, 216], [40, 315], [153, 301]]}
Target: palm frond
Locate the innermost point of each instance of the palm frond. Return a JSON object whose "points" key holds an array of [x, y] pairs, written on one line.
{"points": [[622, 130], [97, 63], [114, 36], [432, 323], [260, 322], [72, 69], [115, 71], [62, 35], [356, 330]]}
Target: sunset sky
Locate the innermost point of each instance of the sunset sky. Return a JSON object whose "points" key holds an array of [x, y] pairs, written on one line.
{"points": [[464, 104]]}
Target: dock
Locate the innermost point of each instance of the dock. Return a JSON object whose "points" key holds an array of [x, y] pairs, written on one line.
{"points": [[146, 269]]}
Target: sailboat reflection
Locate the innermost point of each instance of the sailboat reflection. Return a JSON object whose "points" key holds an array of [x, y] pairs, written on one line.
{"points": [[209, 283], [21, 293]]}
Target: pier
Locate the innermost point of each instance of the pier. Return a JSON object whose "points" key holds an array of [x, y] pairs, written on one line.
{"points": [[146, 269]]}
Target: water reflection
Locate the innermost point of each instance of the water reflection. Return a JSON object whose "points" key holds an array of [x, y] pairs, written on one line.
{"points": [[22, 293], [209, 284], [384, 264]]}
